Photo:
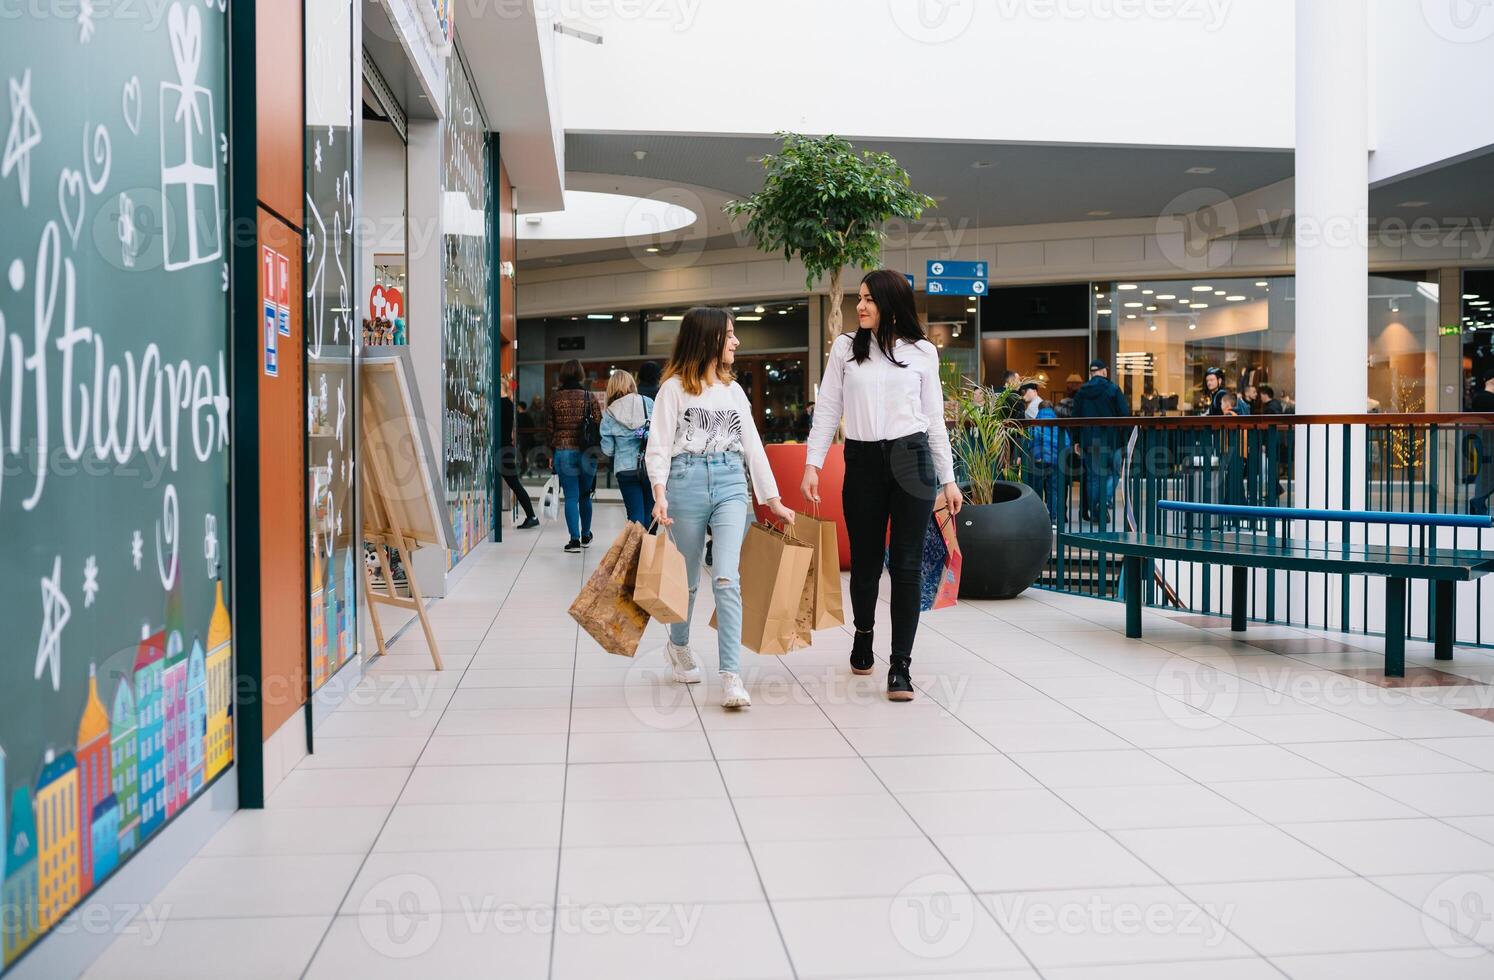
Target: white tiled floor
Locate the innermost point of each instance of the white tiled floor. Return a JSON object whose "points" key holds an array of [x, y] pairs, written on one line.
{"points": [[1060, 802]]}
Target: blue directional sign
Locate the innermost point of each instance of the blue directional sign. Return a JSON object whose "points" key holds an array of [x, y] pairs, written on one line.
{"points": [[911, 283], [947, 269], [956, 287]]}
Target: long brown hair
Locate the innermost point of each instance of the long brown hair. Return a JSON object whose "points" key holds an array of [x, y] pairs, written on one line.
{"points": [[897, 311], [701, 340]]}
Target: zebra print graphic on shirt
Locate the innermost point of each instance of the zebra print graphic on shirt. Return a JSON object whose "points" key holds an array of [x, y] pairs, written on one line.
{"points": [[704, 430]]}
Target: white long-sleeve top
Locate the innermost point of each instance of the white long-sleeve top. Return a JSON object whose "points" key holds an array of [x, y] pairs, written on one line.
{"points": [[718, 420], [881, 401]]}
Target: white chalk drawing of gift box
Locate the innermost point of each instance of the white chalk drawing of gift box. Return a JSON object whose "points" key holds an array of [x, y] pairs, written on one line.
{"points": [[189, 141]]}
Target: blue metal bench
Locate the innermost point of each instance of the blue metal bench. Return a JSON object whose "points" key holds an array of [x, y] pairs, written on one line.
{"points": [[1397, 564]]}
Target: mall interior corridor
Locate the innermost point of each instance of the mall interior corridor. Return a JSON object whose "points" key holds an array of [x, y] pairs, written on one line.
{"points": [[1058, 802]]}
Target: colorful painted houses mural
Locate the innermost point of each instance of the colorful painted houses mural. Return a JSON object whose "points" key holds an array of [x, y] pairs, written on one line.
{"points": [[20, 895], [94, 774], [57, 847], [97, 802], [219, 739], [124, 749], [150, 666]]}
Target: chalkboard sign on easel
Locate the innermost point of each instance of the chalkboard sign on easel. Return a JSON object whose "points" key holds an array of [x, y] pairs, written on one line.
{"points": [[114, 413]]}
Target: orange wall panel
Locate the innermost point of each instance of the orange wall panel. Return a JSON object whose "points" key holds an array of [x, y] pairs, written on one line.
{"points": [[280, 109], [282, 488]]}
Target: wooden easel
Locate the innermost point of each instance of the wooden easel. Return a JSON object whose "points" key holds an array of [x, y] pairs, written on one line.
{"points": [[382, 528]]}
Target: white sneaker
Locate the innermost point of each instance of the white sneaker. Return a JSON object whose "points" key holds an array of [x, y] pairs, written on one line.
{"points": [[733, 694], [686, 670]]}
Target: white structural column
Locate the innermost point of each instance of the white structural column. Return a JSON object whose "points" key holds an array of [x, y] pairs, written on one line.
{"points": [[1332, 247], [1332, 278]]}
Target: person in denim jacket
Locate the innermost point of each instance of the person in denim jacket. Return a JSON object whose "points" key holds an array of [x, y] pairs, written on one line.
{"points": [[624, 432]]}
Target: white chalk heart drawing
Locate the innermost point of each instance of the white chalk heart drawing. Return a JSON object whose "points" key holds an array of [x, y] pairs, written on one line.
{"points": [[70, 188], [129, 101]]}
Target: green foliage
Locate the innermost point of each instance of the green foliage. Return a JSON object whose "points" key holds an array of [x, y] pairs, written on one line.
{"points": [[825, 203], [988, 437]]}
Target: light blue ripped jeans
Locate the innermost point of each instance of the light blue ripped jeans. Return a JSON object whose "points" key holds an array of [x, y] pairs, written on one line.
{"points": [[710, 490]]}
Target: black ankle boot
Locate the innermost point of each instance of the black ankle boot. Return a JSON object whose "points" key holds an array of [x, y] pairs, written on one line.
{"points": [[899, 684], [861, 653]]}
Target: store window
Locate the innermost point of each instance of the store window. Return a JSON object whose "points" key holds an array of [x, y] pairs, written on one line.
{"points": [[1476, 323], [467, 341], [384, 213], [1039, 332], [117, 678], [1162, 336], [335, 545]]}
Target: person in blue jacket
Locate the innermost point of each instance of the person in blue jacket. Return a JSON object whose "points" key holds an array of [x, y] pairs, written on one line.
{"points": [[624, 435], [1100, 446], [1047, 446]]}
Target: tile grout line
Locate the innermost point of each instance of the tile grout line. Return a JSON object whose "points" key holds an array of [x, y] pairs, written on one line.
{"points": [[373, 843]]}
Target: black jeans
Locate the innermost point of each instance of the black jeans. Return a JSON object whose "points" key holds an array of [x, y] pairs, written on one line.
{"points": [[508, 465], [888, 481]]}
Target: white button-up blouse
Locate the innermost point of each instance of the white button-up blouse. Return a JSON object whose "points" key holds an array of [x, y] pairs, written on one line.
{"points": [[881, 401]]}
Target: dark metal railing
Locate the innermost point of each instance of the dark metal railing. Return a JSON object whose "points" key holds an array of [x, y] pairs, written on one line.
{"points": [[1110, 474]]}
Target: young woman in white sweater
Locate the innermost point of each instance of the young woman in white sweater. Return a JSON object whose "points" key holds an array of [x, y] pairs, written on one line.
{"points": [[884, 381], [701, 445]]}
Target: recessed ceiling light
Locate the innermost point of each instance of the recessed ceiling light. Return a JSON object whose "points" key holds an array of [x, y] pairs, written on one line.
{"points": [[1192, 325], [1234, 299], [673, 316], [1166, 296], [599, 316], [759, 309], [1478, 302], [1262, 282], [1146, 292], [1151, 309], [624, 318], [1098, 214], [1199, 170], [1105, 312], [735, 308], [1152, 326], [783, 312], [1199, 306], [1218, 292], [652, 248], [1126, 285], [969, 309], [748, 319], [1203, 289], [1470, 295], [1413, 204], [1130, 316], [1133, 306]]}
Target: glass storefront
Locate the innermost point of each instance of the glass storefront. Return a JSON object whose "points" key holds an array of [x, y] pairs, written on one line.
{"points": [[117, 682], [1476, 323], [468, 322], [332, 340]]}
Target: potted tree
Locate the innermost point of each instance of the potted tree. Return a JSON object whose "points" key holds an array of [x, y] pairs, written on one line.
{"points": [[825, 204], [1004, 529]]}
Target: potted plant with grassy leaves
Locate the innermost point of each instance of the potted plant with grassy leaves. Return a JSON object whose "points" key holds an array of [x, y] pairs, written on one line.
{"points": [[1004, 529], [825, 204]]}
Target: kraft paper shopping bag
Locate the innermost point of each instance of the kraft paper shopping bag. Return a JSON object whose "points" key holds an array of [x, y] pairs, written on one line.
{"points": [[605, 607], [773, 571], [662, 589], [822, 592]]}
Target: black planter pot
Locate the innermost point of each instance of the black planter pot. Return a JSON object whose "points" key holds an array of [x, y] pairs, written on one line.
{"points": [[1005, 544]]}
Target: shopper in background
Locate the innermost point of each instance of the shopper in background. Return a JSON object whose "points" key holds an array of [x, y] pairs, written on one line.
{"points": [[1011, 379], [701, 445], [509, 460], [1046, 447], [1214, 391], [883, 380], [648, 379], [624, 432], [1100, 446], [569, 409], [1270, 404]]}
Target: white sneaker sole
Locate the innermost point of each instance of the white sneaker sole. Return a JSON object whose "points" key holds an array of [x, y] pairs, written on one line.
{"points": [[743, 702], [687, 676]]}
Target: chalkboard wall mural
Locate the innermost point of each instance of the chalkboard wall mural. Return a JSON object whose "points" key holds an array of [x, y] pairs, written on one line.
{"points": [[468, 326], [116, 687], [331, 341]]}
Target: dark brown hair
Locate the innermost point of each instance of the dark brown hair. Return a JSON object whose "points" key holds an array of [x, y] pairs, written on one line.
{"points": [[571, 374], [897, 311], [698, 346]]}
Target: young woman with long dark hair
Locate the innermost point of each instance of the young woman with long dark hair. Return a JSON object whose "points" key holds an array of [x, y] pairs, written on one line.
{"points": [[702, 443], [883, 380]]}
